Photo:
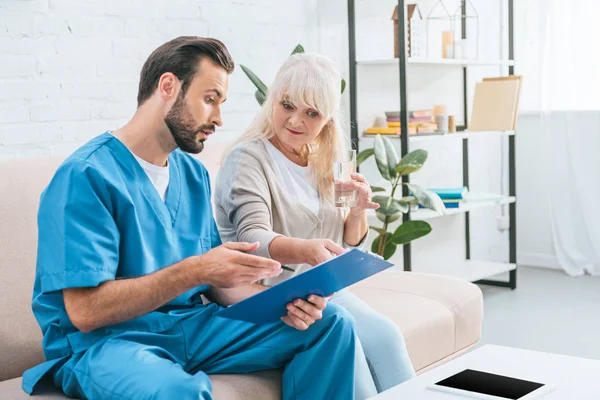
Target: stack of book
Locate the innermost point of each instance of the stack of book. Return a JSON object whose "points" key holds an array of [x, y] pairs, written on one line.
{"points": [[452, 197], [419, 122]]}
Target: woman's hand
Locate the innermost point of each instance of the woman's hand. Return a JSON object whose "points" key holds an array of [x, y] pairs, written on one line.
{"points": [[363, 195], [316, 251], [302, 314]]}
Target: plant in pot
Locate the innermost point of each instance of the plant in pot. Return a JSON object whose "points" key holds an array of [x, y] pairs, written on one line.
{"points": [[392, 169]]}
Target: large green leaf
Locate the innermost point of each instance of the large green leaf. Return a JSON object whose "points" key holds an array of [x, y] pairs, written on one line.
{"points": [[404, 205], [427, 198], [411, 162], [390, 206], [410, 200], [364, 156], [343, 85], [409, 231], [377, 189], [391, 218], [260, 97], [407, 169], [262, 88], [415, 157], [388, 250], [381, 231], [298, 49], [386, 157]]}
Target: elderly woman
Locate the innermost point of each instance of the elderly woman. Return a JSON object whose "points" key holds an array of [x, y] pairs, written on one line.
{"points": [[275, 188]]}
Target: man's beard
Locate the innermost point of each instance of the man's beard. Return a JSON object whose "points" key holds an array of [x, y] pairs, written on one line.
{"points": [[181, 124]]}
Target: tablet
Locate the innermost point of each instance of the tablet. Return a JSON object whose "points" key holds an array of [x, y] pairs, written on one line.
{"points": [[323, 280], [484, 385]]}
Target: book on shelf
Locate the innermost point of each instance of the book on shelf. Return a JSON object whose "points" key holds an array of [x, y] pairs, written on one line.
{"points": [[411, 114], [423, 125], [451, 193], [410, 119], [451, 197], [495, 104], [519, 78], [451, 203]]}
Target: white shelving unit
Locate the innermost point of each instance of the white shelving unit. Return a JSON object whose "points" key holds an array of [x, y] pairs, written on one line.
{"points": [[440, 61], [472, 270], [477, 200], [457, 135], [424, 214]]}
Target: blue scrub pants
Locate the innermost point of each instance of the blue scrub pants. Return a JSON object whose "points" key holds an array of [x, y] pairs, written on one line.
{"points": [[318, 363], [381, 357]]}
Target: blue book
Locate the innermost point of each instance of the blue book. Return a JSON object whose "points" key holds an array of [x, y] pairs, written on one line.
{"points": [[323, 280], [452, 203], [451, 193]]}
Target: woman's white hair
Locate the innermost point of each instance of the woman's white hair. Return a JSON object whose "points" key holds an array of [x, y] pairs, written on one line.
{"points": [[306, 80]]}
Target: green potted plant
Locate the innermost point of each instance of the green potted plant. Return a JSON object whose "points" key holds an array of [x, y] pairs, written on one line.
{"points": [[393, 205], [392, 169]]}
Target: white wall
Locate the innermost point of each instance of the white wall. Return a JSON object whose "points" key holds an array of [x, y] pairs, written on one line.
{"points": [[69, 69]]}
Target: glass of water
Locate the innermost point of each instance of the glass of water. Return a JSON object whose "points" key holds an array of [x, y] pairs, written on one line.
{"points": [[343, 168]]}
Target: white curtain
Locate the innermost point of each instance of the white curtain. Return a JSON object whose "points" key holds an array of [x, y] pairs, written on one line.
{"points": [[561, 68]]}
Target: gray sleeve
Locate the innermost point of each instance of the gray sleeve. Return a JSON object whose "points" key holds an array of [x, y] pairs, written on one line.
{"points": [[243, 199], [360, 246]]}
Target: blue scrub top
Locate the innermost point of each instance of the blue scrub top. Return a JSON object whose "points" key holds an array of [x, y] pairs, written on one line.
{"points": [[100, 219]]}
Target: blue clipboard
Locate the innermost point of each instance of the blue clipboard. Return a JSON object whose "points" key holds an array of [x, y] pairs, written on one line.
{"points": [[324, 279]]}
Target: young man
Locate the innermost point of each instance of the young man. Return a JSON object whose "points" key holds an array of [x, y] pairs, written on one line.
{"points": [[127, 244]]}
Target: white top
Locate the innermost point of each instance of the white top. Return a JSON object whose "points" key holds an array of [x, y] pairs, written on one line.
{"points": [[159, 176], [298, 180]]}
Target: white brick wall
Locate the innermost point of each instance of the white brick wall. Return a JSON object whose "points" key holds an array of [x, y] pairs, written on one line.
{"points": [[69, 69]]}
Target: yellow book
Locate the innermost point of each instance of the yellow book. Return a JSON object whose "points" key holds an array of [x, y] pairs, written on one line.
{"points": [[382, 131], [389, 131], [398, 124]]}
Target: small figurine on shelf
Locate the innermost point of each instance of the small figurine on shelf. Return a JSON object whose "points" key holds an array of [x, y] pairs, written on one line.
{"points": [[440, 116], [440, 25], [414, 31]]}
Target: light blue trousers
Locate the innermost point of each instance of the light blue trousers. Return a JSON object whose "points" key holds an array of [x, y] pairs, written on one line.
{"points": [[318, 363], [381, 357]]}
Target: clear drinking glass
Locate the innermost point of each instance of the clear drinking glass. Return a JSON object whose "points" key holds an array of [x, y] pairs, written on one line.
{"points": [[343, 168]]}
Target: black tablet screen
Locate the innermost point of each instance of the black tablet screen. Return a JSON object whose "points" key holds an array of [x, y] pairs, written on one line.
{"points": [[491, 384]]}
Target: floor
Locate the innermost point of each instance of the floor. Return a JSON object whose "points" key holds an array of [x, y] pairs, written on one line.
{"points": [[549, 311]]}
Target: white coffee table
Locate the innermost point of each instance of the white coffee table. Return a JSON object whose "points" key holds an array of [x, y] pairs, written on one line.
{"points": [[573, 378]]}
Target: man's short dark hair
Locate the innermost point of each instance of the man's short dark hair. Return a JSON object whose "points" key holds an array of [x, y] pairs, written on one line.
{"points": [[181, 56]]}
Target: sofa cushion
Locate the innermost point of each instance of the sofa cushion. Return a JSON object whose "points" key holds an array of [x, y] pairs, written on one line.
{"points": [[264, 385], [11, 390], [438, 315]]}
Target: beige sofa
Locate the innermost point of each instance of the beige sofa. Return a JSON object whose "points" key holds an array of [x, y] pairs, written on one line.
{"points": [[439, 316]]}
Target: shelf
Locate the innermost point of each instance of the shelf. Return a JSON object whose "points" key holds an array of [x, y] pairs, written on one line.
{"points": [[458, 135], [480, 200], [441, 62], [470, 270], [474, 201]]}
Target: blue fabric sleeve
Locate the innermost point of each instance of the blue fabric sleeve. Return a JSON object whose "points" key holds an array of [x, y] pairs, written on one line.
{"points": [[78, 239]]}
